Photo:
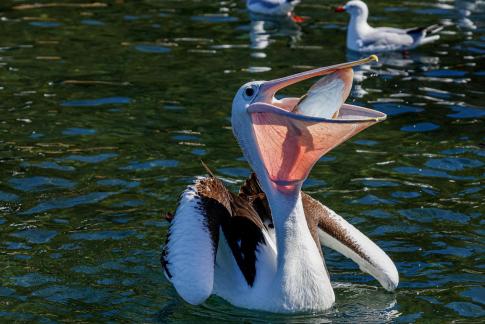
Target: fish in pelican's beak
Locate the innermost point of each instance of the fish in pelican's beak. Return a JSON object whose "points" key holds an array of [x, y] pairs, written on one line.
{"points": [[284, 138]]}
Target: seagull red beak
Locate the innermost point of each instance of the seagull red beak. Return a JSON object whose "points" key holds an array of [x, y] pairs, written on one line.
{"points": [[291, 143], [340, 9]]}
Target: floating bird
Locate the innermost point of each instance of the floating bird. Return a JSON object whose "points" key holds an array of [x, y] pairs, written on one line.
{"points": [[261, 248], [274, 8], [465, 9], [265, 29], [363, 38]]}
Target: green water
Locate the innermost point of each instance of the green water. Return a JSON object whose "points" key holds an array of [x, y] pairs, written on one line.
{"points": [[106, 112]]}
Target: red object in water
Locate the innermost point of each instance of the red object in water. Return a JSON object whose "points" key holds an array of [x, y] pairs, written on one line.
{"points": [[298, 19]]}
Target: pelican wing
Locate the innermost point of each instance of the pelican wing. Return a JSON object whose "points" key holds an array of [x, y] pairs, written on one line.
{"points": [[252, 192], [189, 253], [341, 236], [205, 210]]}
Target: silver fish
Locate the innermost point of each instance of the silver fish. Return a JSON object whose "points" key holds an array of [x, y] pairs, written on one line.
{"points": [[327, 95]]}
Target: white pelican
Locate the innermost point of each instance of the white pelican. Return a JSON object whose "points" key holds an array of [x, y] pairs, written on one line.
{"points": [[361, 37], [261, 249]]}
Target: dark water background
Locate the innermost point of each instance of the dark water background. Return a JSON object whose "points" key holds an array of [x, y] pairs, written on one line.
{"points": [[105, 112]]}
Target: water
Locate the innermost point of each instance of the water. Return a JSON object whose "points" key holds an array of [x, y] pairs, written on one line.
{"points": [[107, 110]]}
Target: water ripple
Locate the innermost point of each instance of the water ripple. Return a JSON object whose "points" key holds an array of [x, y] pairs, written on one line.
{"points": [[453, 164], [33, 184], [429, 173], [420, 127], [405, 194], [445, 73], [63, 203], [96, 102], [45, 24], [36, 235], [467, 309], [428, 215], [107, 109], [78, 131], [102, 235], [214, 18], [150, 48], [149, 165], [64, 294], [464, 112], [48, 165], [32, 279], [373, 200], [6, 196], [477, 294], [92, 22], [90, 158], [394, 110], [118, 182]]}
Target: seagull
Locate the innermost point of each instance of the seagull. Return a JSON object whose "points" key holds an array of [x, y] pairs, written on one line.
{"points": [[465, 9], [274, 8], [363, 38], [265, 29], [261, 248]]}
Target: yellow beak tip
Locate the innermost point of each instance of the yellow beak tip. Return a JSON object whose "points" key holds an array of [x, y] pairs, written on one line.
{"points": [[374, 57]]}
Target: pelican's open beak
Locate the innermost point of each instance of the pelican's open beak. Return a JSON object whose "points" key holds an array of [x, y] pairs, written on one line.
{"points": [[290, 139]]}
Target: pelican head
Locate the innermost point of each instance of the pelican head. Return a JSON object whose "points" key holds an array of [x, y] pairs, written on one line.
{"points": [[283, 139]]}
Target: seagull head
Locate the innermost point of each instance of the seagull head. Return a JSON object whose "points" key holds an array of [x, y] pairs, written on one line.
{"points": [[354, 8], [283, 138]]}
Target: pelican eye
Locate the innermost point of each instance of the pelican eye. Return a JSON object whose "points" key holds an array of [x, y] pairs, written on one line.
{"points": [[249, 92]]}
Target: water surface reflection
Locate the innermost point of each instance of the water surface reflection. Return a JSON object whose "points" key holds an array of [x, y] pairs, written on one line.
{"points": [[107, 109]]}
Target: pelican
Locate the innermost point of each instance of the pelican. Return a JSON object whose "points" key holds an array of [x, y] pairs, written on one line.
{"points": [[361, 37], [261, 248]]}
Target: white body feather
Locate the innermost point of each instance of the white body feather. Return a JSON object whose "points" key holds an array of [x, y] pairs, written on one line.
{"points": [[190, 252]]}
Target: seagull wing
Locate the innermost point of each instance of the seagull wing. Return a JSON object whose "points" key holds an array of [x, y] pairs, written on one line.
{"points": [[424, 35], [381, 40], [337, 234], [390, 39], [391, 30]]}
